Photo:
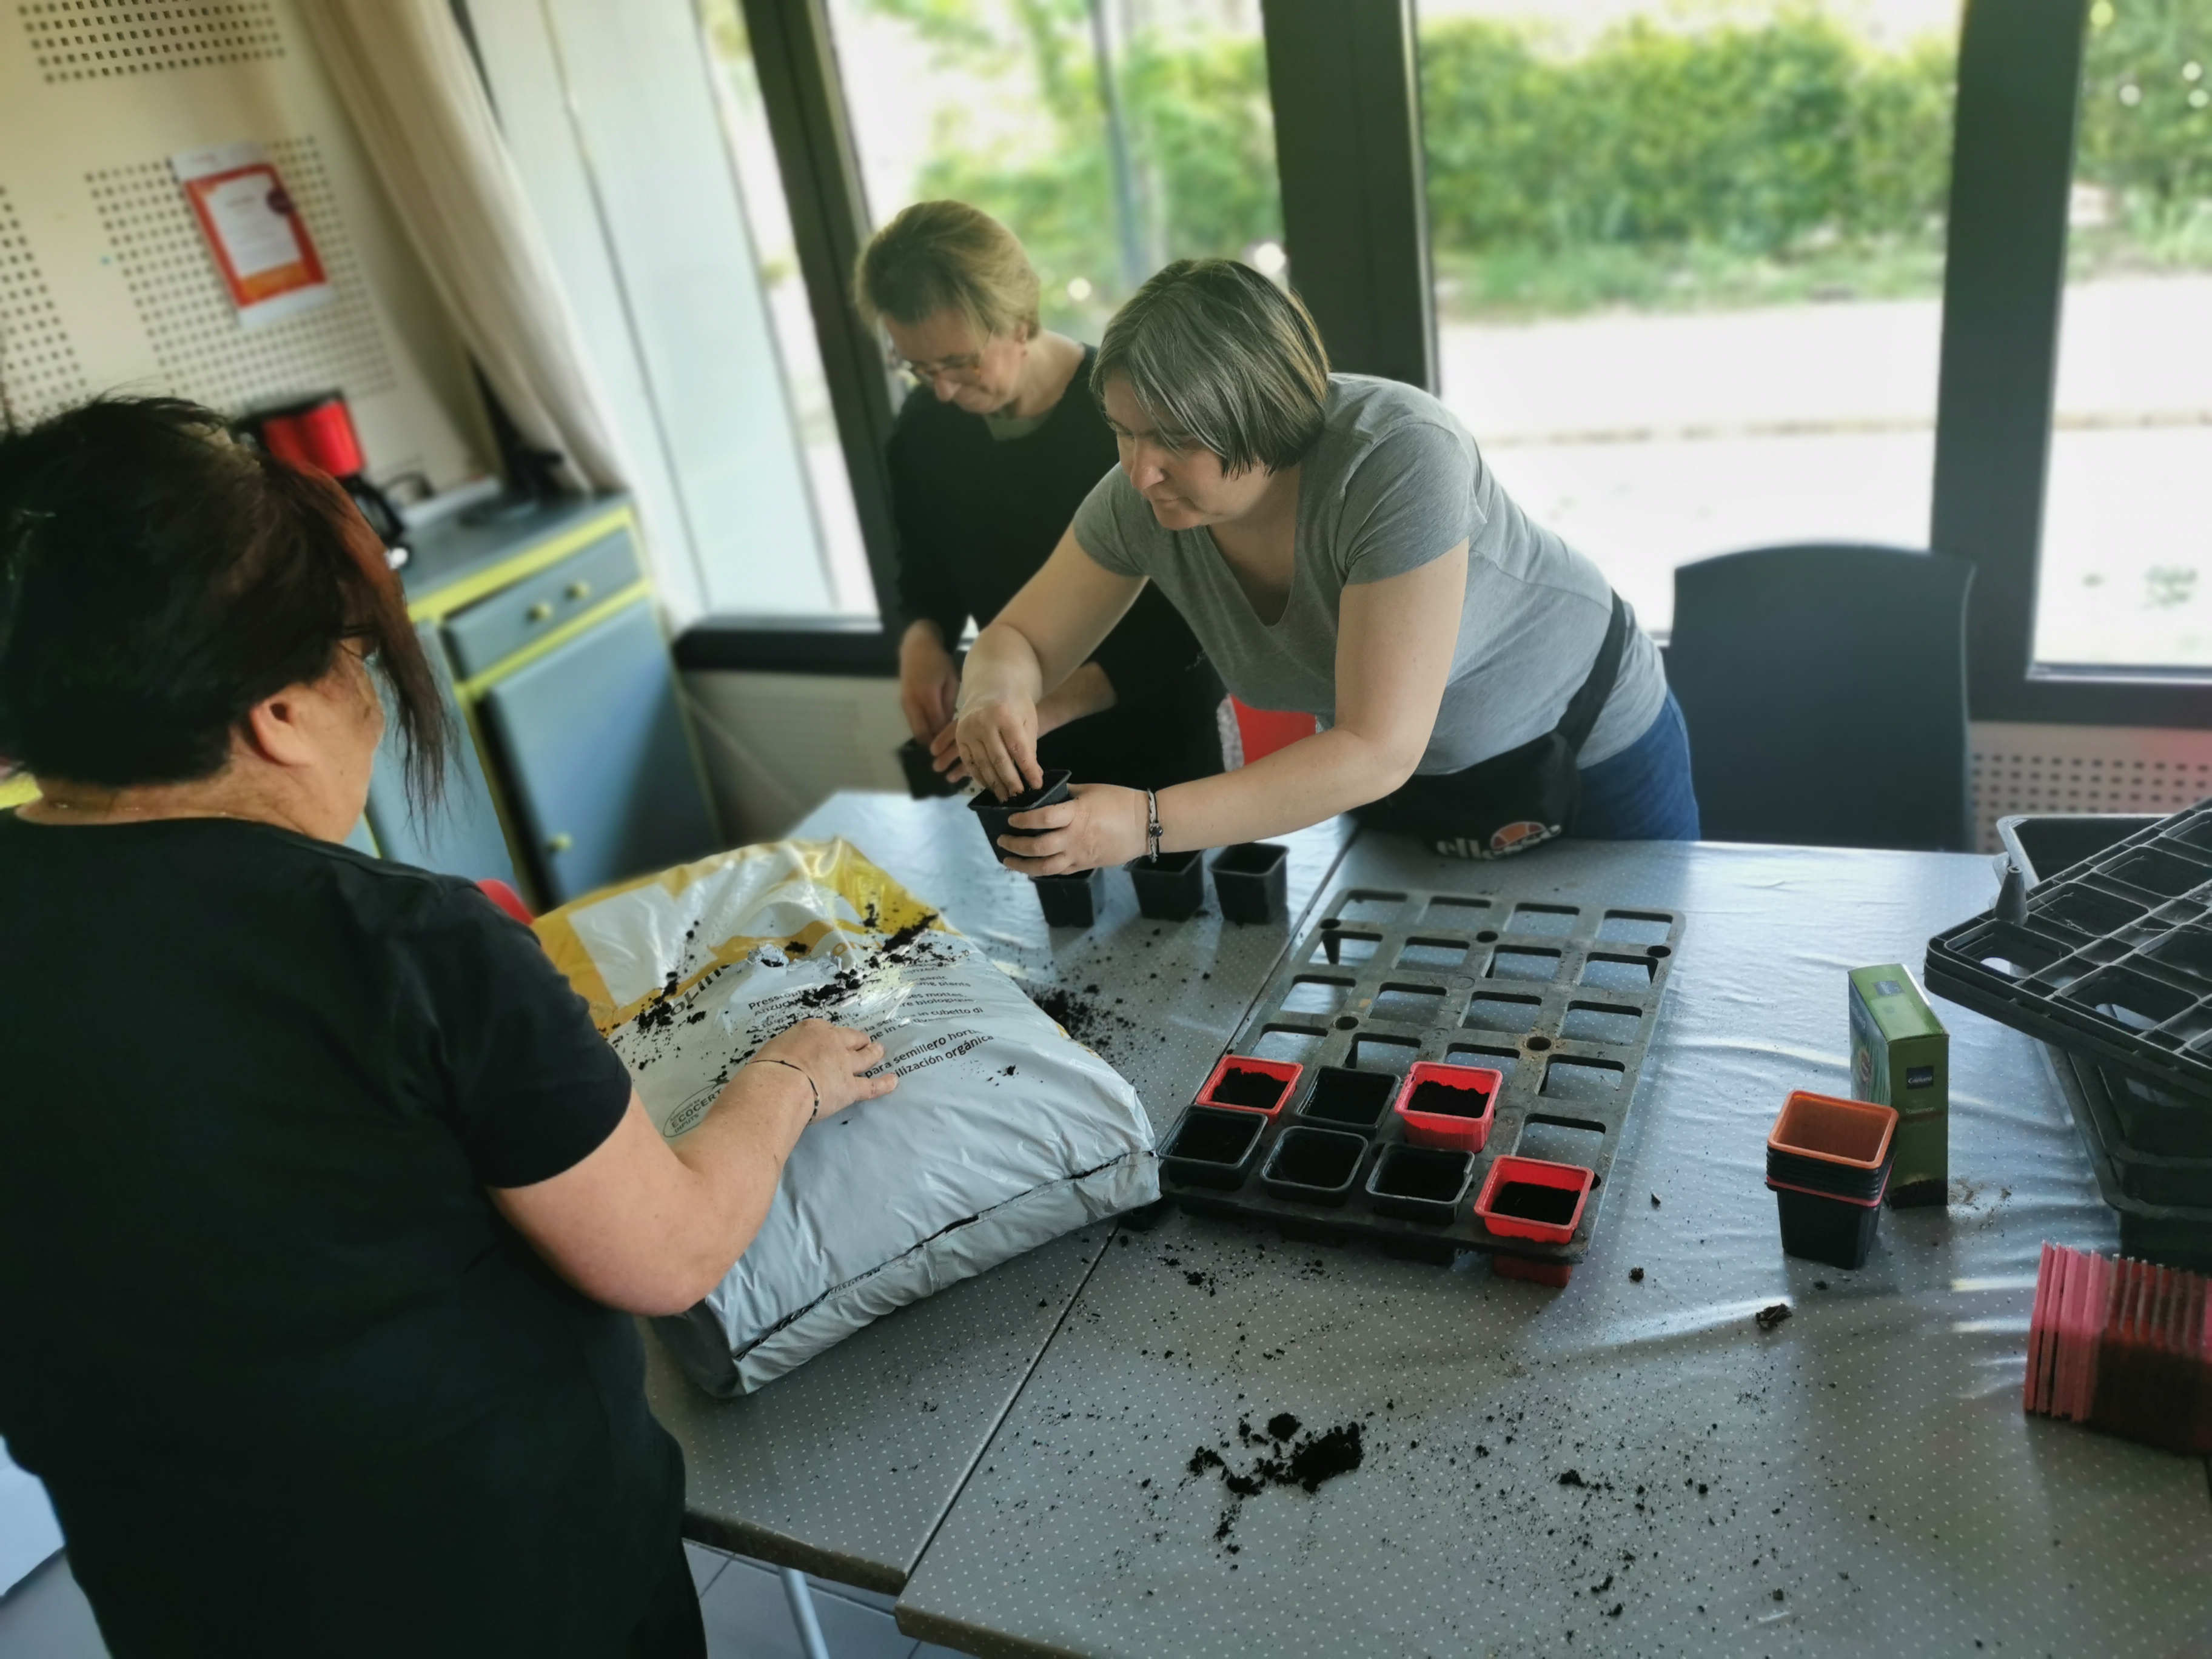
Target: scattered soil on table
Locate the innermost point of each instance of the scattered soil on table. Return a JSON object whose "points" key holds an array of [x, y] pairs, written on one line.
{"points": [[1240, 1087], [1446, 1101], [1305, 1462], [1771, 1315], [1655, 1201], [1636, 1275], [1091, 1023], [1553, 1206]]}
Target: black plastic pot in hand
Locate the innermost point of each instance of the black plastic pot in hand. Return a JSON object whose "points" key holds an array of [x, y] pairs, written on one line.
{"points": [[993, 814], [923, 781], [1172, 889], [1072, 901], [1252, 881]]}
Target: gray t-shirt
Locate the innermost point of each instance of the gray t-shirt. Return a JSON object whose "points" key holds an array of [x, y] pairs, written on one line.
{"points": [[1393, 483]]}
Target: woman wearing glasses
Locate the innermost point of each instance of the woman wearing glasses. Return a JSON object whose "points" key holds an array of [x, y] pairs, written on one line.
{"points": [[995, 447], [1339, 546]]}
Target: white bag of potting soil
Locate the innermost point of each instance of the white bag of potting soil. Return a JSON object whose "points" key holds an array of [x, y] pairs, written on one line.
{"points": [[1003, 1132]]}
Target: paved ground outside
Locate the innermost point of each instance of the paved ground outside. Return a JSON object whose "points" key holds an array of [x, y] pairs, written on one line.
{"points": [[1651, 439]]}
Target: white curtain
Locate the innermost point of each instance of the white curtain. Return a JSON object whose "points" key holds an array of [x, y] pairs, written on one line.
{"points": [[408, 80]]}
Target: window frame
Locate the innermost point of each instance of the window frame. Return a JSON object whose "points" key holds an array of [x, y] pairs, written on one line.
{"points": [[1343, 82]]}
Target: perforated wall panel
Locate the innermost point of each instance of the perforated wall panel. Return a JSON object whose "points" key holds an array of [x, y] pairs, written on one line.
{"points": [[2084, 768], [98, 39], [202, 352], [39, 367]]}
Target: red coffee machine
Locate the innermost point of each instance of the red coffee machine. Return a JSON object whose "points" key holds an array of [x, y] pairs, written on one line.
{"points": [[318, 432]]}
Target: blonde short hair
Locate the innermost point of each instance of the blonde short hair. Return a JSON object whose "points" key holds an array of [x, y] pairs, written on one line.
{"points": [[947, 256], [1218, 355]]}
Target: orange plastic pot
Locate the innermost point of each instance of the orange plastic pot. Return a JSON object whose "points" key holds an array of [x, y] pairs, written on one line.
{"points": [[1236, 1082], [1429, 1083], [1531, 1198]]}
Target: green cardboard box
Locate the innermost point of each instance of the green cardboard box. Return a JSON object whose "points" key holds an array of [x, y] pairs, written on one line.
{"points": [[1901, 1057]]}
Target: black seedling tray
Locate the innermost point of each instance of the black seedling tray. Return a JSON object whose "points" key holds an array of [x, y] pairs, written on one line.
{"points": [[2114, 957], [2175, 1235], [1561, 997]]}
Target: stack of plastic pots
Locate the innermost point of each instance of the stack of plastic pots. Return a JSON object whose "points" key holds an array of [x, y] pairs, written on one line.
{"points": [[1827, 1162]]}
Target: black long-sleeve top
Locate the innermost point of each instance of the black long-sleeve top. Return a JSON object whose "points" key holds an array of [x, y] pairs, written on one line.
{"points": [[978, 516]]}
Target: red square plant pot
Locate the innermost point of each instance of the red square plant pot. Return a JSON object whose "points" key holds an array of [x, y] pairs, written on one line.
{"points": [[1240, 1082], [1430, 1083], [1560, 1188]]}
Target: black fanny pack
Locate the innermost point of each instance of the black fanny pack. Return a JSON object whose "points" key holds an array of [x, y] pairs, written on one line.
{"points": [[1512, 801]]}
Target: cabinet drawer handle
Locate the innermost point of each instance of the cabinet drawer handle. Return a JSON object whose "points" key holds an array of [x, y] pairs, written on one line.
{"points": [[560, 844], [580, 590], [542, 612]]}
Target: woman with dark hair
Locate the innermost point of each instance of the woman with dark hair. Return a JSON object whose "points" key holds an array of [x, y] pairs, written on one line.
{"points": [[1338, 547], [322, 1206]]}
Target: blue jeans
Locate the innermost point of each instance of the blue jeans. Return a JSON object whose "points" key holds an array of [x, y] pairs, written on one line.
{"points": [[1643, 792]]}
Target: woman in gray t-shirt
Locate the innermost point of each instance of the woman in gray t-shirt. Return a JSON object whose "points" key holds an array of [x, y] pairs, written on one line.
{"points": [[1340, 548]]}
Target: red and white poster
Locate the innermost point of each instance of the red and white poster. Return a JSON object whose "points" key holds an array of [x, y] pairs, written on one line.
{"points": [[254, 230]]}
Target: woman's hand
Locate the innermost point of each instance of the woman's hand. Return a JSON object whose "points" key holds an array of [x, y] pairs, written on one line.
{"points": [[997, 734], [834, 1059], [1103, 826], [929, 682]]}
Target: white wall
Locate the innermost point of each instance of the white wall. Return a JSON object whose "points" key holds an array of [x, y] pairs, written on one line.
{"points": [[609, 112], [113, 290]]}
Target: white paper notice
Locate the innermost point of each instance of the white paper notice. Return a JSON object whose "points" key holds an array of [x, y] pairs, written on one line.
{"points": [[261, 248]]}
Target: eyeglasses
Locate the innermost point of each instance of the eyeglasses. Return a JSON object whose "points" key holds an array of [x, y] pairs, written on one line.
{"points": [[960, 368]]}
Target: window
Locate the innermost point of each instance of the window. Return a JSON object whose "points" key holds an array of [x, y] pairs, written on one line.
{"points": [[744, 124], [1688, 258], [625, 141], [1110, 137], [2127, 539]]}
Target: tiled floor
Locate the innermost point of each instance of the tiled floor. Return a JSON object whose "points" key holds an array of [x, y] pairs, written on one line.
{"points": [[46, 1617]]}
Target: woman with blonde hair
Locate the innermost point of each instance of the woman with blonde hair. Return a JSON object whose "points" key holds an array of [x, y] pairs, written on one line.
{"points": [[995, 447]]}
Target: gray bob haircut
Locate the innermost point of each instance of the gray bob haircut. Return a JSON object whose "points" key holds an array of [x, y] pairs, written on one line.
{"points": [[1218, 355]]}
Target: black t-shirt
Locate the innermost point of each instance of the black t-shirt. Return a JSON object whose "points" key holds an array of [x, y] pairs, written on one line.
{"points": [[292, 1382], [978, 516]]}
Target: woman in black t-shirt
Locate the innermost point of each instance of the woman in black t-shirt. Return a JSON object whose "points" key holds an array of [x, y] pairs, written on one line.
{"points": [[323, 1207], [995, 447]]}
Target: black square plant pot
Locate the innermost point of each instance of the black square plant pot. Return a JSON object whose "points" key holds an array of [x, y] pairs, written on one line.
{"points": [[1212, 1147], [993, 814], [1837, 1231], [923, 781], [1172, 889], [1252, 881], [1421, 1183], [1072, 901], [1356, 1100], [1314, 1166]]}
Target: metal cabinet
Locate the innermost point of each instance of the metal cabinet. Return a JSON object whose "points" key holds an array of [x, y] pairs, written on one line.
{"points": [[598, 768]]}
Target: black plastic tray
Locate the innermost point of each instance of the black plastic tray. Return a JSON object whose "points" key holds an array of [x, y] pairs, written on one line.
{"points": [[2114, 958], [2174, 1235], [1438, 976], [2043, 844]]}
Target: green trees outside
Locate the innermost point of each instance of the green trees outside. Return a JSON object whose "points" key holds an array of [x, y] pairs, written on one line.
{"points": [[1723, 161]]}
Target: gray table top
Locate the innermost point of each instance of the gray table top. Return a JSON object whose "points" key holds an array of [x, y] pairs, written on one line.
{"points": [[1860, 1478], [845, 1467]]}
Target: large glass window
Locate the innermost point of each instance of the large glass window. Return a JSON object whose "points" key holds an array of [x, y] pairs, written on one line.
{"points": [[1689, 261], [1110, 135], [768, 215], [2127, 540]]}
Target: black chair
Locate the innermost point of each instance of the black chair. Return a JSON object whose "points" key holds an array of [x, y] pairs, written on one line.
{"points": [[1825, 693]]}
